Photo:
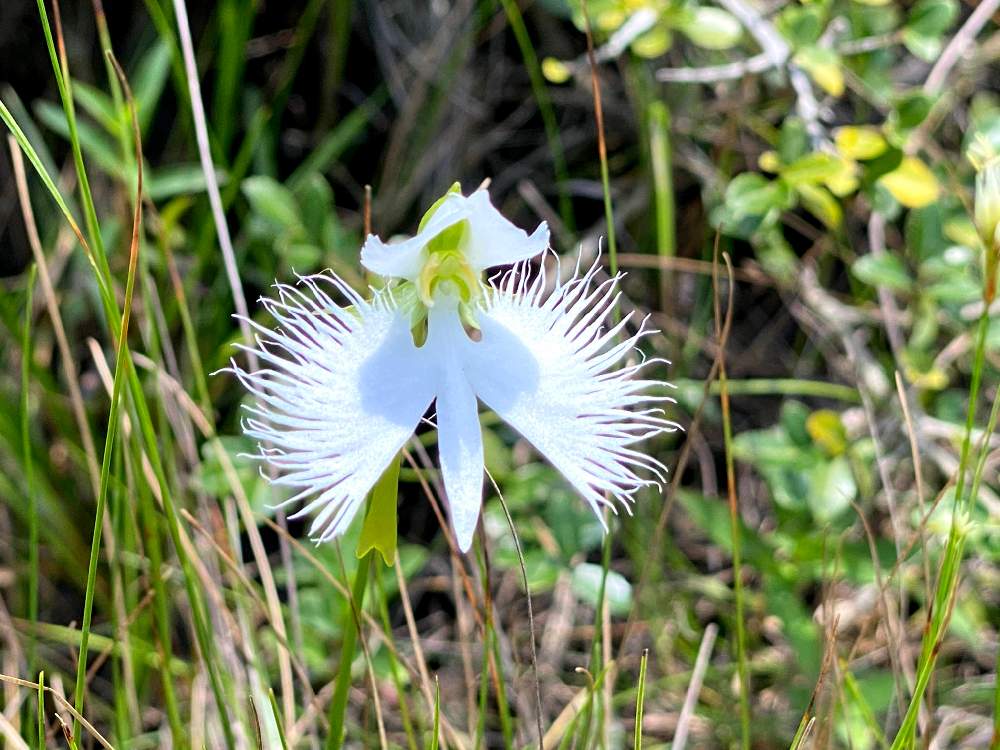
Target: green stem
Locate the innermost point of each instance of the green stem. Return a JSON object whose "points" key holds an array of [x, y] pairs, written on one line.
{"points": [[338, 706], [40, 718], [29, 473], [639, 700], [734, 521], [787, 387], [660, 157], [102, 497], [549, 121], [951, 564]]}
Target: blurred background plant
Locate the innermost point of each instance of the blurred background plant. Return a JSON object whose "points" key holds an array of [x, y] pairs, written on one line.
{"points": [[829, 149]]}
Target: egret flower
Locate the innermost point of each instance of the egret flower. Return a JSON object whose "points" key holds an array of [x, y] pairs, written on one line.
{"points": [[343, 387]]}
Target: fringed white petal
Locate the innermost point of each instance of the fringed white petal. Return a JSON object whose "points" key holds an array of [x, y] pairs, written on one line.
{"points": [[340, 391], [547, 366]]}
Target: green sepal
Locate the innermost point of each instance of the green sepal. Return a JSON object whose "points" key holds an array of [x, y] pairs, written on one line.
{"points": [[456, 187], [379, 529]]}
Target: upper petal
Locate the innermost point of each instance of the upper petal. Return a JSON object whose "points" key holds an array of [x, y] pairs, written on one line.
{"points": [[546, 366], [404, 259], [494, 241], [340, 391]]}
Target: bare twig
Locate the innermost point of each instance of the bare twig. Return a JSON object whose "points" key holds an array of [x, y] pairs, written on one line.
{"points": [[212, 184], [694, 686], [52, 306], [717, 73], [959, 45], [778, 50]]}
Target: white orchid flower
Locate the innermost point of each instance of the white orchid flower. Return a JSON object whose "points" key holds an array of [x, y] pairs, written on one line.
{"points": [[343, 388]]}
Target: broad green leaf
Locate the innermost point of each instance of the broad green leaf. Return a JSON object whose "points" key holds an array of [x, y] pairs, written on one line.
{"points": [[831, 488], [178, 179], [379, 528], [885, 270], [909, 111], [586, 584], [149, 79], [750, 194], [927, 48], [932, 18], [823, 66], [802, 25], [98, 105], [912, 183], [861, 142], [271, 200], [712, 28], [793, 139], [315, 204]]}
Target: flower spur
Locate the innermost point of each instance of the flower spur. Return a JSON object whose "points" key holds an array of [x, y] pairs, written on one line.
{"points": [[342, 388]]}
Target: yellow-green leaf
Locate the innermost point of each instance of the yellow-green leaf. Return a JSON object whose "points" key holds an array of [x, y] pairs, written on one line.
{"points": [[379, 529], [859, 141], [818, 166], [555, 71], [935, 379], [845, 180], [961, 231], [610, 19], [654, 43], [823, 66], [912, 183], [821, 204], [827, 431], [769, 161]]}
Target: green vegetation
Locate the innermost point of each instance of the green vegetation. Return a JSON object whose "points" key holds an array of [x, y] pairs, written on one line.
{"points": [[805, 197]]}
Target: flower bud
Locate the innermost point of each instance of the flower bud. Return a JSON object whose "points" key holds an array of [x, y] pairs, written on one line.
{"points": [[988, 201], [988, 221]]}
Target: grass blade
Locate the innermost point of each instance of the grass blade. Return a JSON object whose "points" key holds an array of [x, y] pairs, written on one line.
{"points": [[113, 418]]}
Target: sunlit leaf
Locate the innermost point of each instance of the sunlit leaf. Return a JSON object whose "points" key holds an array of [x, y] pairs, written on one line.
{"points": [[555, 71], [654, 43], [821, 204], [823, 66], [912, 183], [860, 142], [827, 431]]}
